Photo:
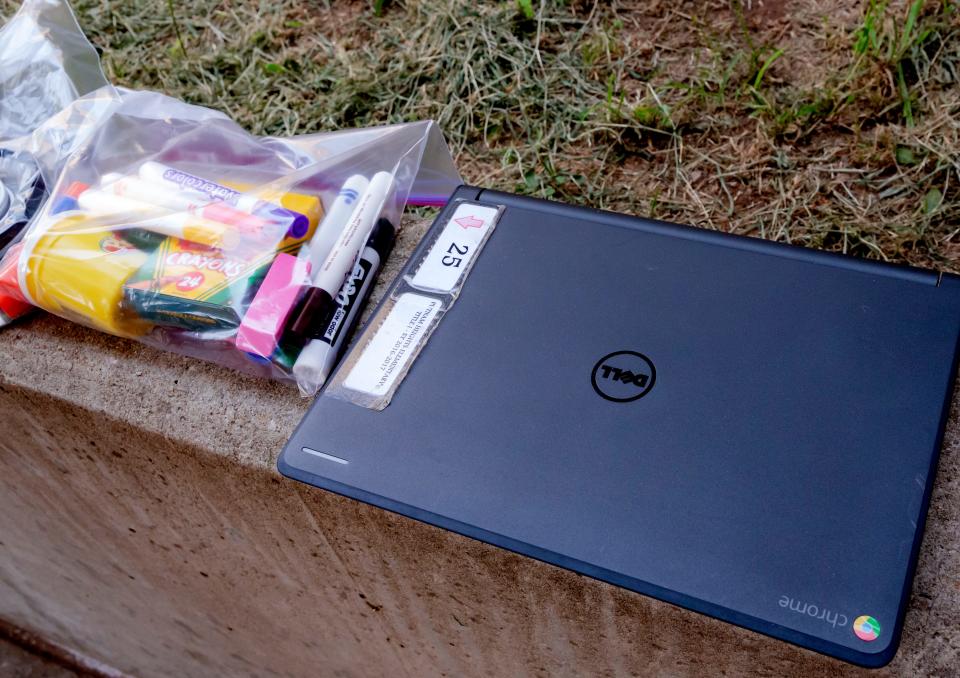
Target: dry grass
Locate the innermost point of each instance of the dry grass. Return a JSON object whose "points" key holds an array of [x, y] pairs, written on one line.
{"points": [[828, 124]]}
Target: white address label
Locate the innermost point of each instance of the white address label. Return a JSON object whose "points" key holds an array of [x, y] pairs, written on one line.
{"points": [[449, 258], [394, 344]]}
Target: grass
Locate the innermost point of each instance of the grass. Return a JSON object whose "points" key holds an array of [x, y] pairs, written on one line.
{"points": [[827, 124]]}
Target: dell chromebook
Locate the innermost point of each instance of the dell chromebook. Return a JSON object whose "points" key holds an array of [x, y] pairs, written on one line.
{"points": [[742, 428]]}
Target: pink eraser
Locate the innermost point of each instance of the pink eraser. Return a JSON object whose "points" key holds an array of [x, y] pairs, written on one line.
{"points": [[263, 322]]}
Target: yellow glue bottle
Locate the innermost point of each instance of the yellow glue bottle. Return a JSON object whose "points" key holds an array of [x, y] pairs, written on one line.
{"points": [[76, 268]]}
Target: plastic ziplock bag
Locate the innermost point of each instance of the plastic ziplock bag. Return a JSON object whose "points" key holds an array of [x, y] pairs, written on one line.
{"points": [[45, 64], [172, 225]]}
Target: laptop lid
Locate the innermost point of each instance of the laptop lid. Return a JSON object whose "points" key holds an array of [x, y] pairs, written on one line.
{"points": [[743, 428]]}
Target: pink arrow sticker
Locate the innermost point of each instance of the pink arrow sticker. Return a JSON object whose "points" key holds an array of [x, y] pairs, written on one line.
{"points": [[469, 222]]}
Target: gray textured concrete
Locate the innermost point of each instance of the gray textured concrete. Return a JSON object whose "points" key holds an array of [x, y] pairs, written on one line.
{"points": [[16, 662], [145, 527]]}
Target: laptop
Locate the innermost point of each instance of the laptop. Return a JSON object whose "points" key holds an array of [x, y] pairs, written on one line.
{"points": [[743, 428]]}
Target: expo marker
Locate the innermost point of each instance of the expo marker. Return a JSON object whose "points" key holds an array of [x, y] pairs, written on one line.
{"points": [[313, 313], [198, 188], [319, 356], [335, 219], [264, 321]]}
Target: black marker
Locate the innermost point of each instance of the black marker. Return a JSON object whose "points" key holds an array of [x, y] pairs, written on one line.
{"points": [[319, 356]]}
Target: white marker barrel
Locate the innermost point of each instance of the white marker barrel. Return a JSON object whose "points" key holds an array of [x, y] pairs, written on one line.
{"points": [[315, 308], [336, 220], [346, 249]]}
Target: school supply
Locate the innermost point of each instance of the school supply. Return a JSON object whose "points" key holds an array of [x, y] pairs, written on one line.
{"points": [[174, 226]]}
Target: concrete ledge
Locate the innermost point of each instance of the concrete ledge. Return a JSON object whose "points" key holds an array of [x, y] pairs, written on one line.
{"points": [[145, 526]]}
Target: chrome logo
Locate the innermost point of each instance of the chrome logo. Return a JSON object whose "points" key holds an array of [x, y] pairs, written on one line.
{"points": [[866, 627]]}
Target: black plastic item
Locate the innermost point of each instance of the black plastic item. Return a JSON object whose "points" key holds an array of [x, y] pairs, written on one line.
{"points": [[15, 211], [4, 201], [743, 428], [310, 316], [37, 195], [13, 233]]}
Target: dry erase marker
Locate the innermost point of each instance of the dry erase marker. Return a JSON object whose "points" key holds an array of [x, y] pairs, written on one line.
{"points": [[152, 218], [162, 175], [314, 311], [320, 355], [171, 199], [336, 219]]}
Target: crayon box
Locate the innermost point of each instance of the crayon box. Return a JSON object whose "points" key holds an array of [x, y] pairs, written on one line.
{"points": [[191, 286]]}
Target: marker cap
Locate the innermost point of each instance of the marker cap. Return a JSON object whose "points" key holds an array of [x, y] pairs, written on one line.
{"points": [[382, 238], [310, 316], [67, 201], [312, 364], [299, 223]]}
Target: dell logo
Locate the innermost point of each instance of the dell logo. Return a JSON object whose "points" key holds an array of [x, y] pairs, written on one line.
{"points": [[626, 376], [623, 376]]}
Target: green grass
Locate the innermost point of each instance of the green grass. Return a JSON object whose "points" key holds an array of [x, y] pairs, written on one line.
{"points": [[839, 133]]}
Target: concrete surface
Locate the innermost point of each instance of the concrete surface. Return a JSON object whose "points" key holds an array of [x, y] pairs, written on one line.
{"points": [[16, 662], [24, 653], [145, 526]]}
